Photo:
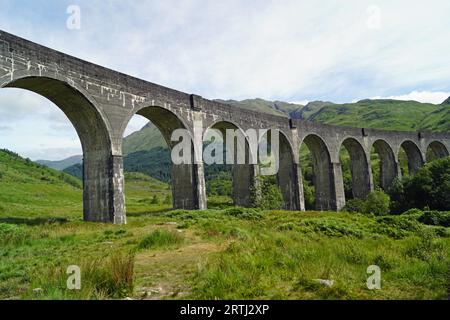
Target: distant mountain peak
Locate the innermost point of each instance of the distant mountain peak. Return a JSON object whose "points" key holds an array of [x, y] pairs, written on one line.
{"points": [[446, 101]]}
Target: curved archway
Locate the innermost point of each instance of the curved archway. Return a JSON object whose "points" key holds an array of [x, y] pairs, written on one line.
{"points": [[288, 175], [388, 168], [101, 202], [235, 164], [361, 182], [436, 150], [186, 175], [321, 172], [282, 167], [413, 156]]}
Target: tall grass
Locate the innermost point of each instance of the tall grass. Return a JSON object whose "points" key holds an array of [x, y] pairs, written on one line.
{"points": [[160, 239], [110, 277]]}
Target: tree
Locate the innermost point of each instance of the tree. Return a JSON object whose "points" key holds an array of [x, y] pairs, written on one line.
{"points": [[430, 187], [377, 203], [266, 194]]}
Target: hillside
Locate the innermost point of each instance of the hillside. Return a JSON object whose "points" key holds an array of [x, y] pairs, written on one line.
{"points": [[61, 164], [28, 188], [147, 138], [272, 107], [31, 188]]}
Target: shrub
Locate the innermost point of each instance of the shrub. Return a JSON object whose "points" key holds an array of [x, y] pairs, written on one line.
{"points": [[436, 218], [333, 227], [425, 248], [310, 195], [167, 200], [414, 211], [160, 238], [244, 213], [267, 195], [397, 194], [377, 203], [428, 188], [355, 205], [402, 222], [154, 200], [12, 234]]}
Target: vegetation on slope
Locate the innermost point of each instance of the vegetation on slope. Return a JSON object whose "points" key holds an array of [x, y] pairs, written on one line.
{"points": [[229, 253]]}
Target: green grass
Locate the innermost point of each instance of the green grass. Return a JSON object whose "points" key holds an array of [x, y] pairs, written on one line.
{"points": [[160, 239], [224, 252]]}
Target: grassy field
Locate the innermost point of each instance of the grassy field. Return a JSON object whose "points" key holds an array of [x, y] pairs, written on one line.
{"points": [[224, 252]]}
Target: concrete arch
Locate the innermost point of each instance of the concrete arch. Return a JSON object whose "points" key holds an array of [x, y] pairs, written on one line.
{"points": [[101, 201], [287, 170], [322, 171], [288, 175], [362, 183], [437, 149], [389, 168], [187, 179], [222, 125], [414, 155], [166, 121], [244, 172], [164, 118]]}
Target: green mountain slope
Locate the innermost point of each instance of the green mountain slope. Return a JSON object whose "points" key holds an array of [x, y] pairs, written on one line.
{"points": [[382, 114], [31, 190], [34, 189], [147, 138], [438, 120], [61, 164], [272, 107]]}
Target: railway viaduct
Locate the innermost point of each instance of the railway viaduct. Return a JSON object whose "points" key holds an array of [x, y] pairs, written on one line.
{"points": [[100, 102]]}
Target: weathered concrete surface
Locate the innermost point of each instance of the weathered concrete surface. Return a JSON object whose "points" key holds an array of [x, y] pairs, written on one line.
{"points": [[100, 102]]}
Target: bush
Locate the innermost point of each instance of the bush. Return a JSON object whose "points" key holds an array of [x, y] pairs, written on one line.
{"points": [[355, 205], [154, 200], [426, 247], [414, 211], [436, 218], [332, 227], [160, 238], [377, 203], [428, 188], [402, 222], [267, 195], [244, 213], [12, 234], [167, 200], [397, 194]]}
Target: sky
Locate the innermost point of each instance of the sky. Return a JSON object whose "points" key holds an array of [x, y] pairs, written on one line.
{"points": [[294, 51]]}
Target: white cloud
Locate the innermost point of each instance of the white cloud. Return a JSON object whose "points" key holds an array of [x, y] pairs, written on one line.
{"points": [[136, 123], [302, 102], [421, 96]]}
